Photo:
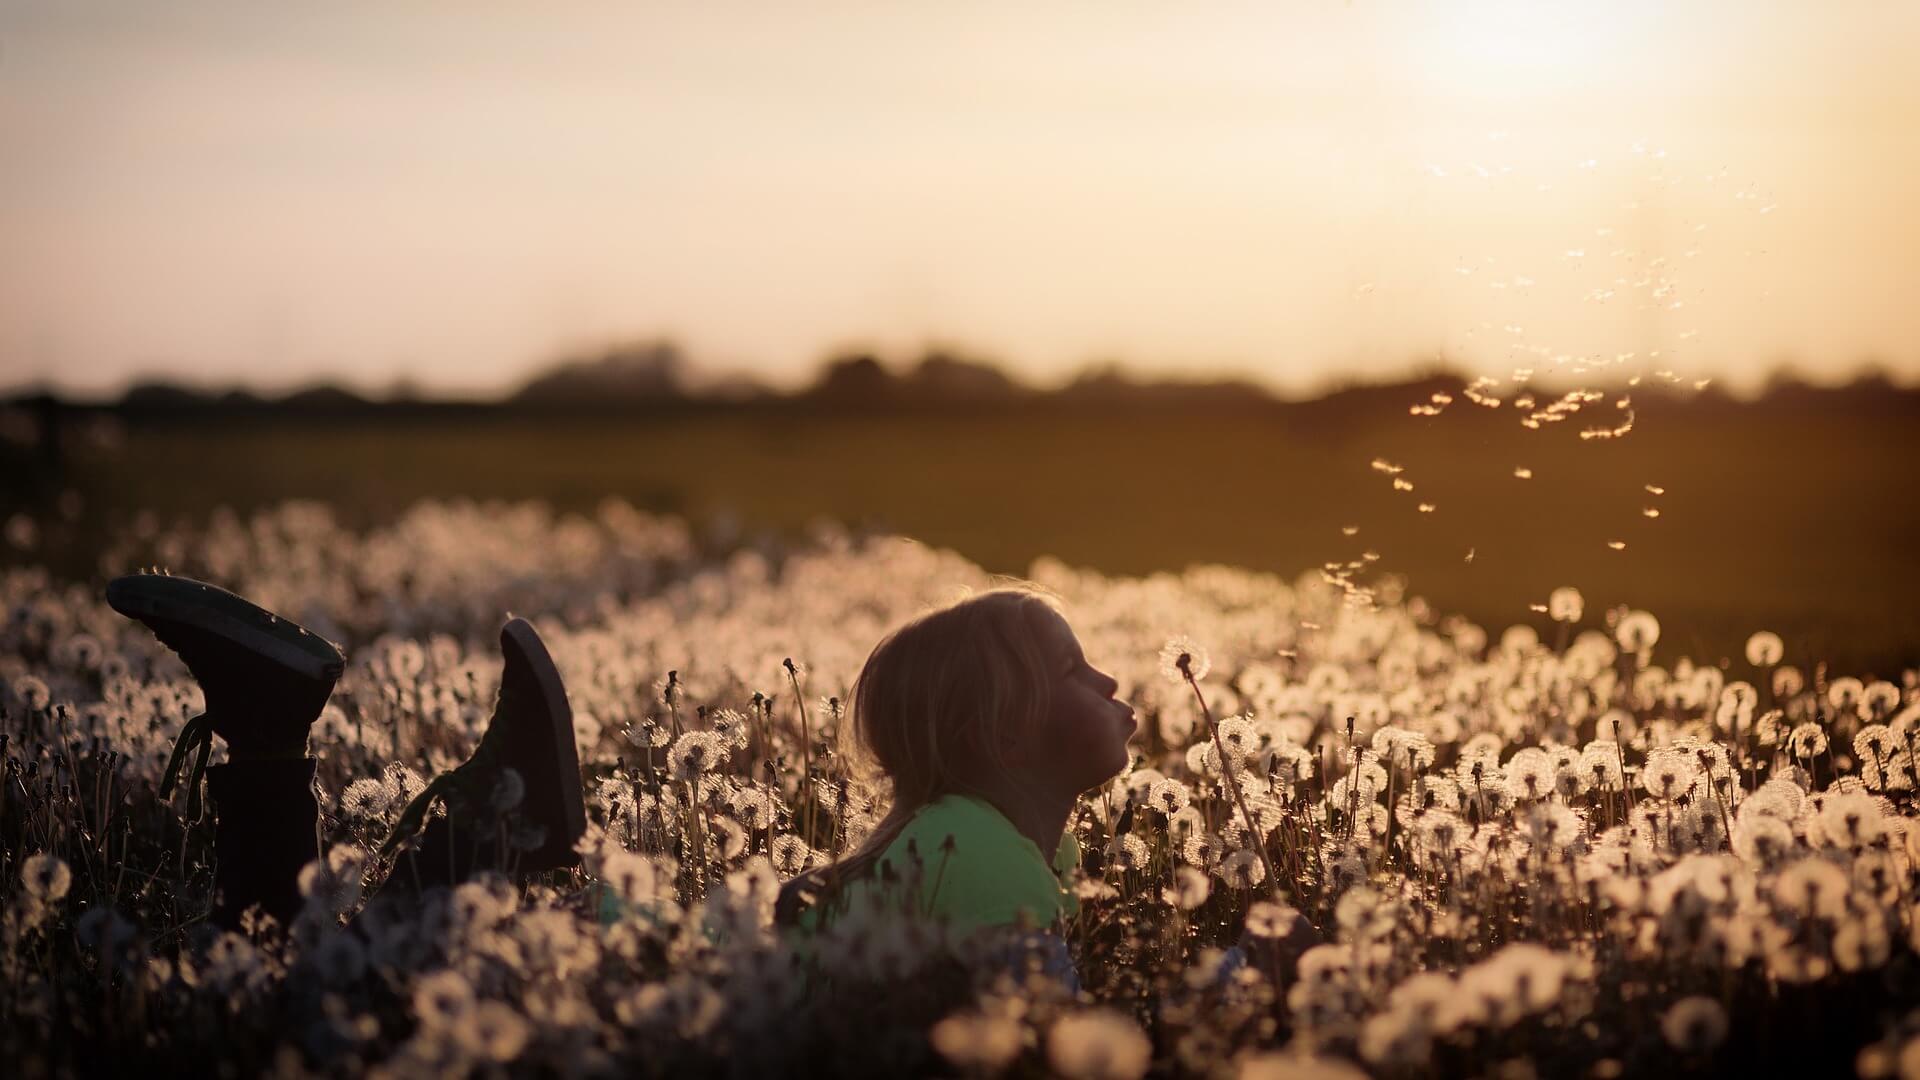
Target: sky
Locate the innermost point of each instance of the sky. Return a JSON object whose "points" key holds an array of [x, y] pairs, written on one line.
{"points": [[457, 195]]}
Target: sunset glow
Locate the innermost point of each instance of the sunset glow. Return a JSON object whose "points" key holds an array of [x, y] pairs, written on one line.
{"points": [[1302, 192]]}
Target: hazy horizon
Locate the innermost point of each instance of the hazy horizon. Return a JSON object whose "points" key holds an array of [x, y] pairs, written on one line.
{"points": [[460, 196], [700, 380]]}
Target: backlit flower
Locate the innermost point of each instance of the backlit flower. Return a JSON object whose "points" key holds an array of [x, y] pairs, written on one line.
{"points": [[1182, 658]]}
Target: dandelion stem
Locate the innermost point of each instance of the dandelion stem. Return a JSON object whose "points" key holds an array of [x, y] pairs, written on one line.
{"points": [[1233, 783], [806, 747]]}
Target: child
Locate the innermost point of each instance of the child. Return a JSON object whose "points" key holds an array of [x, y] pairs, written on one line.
{"points": [[990, 723], [265, 680]]}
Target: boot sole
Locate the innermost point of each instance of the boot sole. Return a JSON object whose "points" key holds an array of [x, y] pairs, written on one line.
{"points": [[520, 634], [209, 608]]}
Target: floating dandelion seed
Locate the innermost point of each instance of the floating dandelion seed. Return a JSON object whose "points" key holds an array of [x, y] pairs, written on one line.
{"points": [[1470, 554], [1401, 484], [1651, 512], [1426, 508], [1655, 489], [1349, 530], [1384, 466], [1523, 472], [1617, 545]]}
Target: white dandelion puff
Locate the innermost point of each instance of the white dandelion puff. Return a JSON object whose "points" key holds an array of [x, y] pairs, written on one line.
{"points": [[1182, 658], [1098, 1044], [1694, 1025], [45, 877]]}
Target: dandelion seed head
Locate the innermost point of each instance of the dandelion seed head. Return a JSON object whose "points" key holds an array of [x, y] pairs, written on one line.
{"points": [[1182, 658], [493, 1031], [696, 753], [1098, 1044], [972, 1040], [1764, 649], [1242, 869], [1565, 604], [1694, 1025], [442, 999], [1637, 631], [1169, 796], [45, 877], [1189, 889]]}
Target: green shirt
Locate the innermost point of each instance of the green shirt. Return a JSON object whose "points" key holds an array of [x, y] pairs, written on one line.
{"points": [[989, 877], [991, 874]]}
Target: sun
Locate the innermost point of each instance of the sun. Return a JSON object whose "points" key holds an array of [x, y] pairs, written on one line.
{"points": [[1503, 48]]}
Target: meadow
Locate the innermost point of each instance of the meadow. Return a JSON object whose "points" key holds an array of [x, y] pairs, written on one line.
{"points": [[1554, 844]]}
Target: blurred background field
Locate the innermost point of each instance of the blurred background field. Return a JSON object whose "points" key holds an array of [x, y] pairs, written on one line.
{"points": [[1792, 512]]}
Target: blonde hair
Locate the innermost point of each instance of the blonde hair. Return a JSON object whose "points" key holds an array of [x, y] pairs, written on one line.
{"points": [[933, 709]]}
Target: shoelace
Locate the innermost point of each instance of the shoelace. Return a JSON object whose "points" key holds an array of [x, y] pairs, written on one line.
{"points": [[197, 732]]}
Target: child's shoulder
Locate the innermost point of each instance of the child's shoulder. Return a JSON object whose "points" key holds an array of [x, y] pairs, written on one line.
{"points": [[975, 868], [958, 826], [977, 825]]}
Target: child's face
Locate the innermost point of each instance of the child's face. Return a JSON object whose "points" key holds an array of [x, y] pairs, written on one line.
{"points": [[1086, 737]]}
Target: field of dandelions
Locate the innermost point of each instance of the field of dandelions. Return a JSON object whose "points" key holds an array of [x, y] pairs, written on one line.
{"points": [[1556, 849]]}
